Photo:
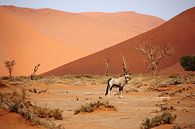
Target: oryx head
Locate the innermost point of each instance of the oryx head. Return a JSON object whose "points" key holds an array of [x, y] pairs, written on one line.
{"points": [[127, 76]]}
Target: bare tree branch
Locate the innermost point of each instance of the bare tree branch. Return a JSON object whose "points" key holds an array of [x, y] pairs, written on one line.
{"points": [[9, 65], [106, 61], [35, 70], [153, 55]]}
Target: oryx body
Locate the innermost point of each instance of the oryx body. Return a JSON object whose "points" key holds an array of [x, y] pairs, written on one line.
{"points": [[117, 83]]}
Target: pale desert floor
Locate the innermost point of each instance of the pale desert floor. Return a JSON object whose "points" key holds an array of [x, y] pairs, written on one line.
{"points": [[140, 100]]}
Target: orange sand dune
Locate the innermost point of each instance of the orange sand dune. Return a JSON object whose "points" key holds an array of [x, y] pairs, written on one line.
{"points": [[53, 38], [29, 47], [178, 32], [11, 120]]}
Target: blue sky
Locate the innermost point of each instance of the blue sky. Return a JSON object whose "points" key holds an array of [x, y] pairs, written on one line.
{"points": [[165, 9]]}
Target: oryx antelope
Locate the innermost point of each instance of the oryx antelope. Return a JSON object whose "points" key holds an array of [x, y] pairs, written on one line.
{"points": [[117, 83]]}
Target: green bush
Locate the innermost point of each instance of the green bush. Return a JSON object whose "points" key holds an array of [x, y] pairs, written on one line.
{"points": [[188, 63]]}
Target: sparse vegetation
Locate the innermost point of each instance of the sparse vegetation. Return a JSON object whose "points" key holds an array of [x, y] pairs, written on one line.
{"points": [[188, 63], [35, 70], [90, 107], [173, 88], [77, 79], [170, 80], [9, 65], [38, 91], [176, 127], [165, 118], [165, 107], [16, 101], [48, 113], [153, 55], [183, 126]]}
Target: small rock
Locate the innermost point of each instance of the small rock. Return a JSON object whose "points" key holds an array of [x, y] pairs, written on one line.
{"points": [[77, 99]]}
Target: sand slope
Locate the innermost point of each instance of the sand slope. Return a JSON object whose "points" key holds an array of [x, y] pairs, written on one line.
{"points": [[178, 32], [53, 38], [10, 120]]}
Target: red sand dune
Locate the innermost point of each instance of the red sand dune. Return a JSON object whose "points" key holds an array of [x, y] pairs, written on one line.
{"points": [[175, 68], [53, 38], [179, 32]]}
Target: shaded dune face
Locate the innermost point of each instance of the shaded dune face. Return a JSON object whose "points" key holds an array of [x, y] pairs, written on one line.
{"points": [[177, 32], [53, 38]]}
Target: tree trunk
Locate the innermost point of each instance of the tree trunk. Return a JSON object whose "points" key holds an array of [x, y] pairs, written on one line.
{"points": [[10, 74], [107, 69], [32, 76], [155, 70]]}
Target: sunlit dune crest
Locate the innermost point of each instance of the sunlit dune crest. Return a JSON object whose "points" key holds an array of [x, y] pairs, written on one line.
{"points": [[53, 38]]}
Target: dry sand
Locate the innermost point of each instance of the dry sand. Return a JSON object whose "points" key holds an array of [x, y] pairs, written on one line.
{"points": [[53, 38], [177, 32], [138, 102], [14, 121]]}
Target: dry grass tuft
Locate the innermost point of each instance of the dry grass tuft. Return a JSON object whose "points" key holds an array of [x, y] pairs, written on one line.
{"points": [[48, 113], [90, 107], [165, 118], [15, 101]]}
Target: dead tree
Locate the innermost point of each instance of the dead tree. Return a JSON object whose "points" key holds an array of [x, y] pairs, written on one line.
{"points": [[106, 61], [35, 70], [124, 64], [153, 55], [9, 65]]}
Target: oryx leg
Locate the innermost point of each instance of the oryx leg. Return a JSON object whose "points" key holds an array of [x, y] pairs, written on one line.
{"points": [[109, 93], [110, 90], [121, 92]]}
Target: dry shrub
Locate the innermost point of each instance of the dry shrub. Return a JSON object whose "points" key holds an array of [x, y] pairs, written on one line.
{"points": [[15, 101], [177, 79], [48, 113], [165, 118], [176, 127], [90, 107], [183, 126], [165, 107], [36, 77], [2, 85], [38, 91]]}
